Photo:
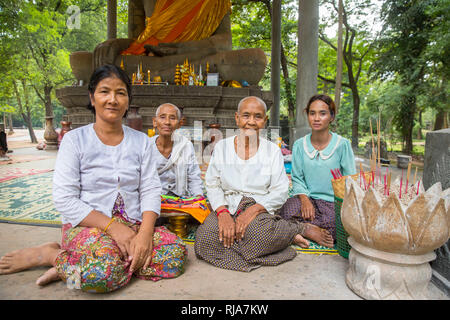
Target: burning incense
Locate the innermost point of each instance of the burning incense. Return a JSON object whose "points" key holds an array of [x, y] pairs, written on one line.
{"points": [[415, 175], [332, 173], [401, 183], [378, 133], [362, 177], [417, 191], [407, 177], [388, 183]]}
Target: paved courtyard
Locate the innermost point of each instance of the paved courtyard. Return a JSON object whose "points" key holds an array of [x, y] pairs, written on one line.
{"points": [[308, 276]]}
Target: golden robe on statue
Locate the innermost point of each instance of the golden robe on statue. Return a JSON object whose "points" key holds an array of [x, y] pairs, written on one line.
{"points": [[179, 21]]}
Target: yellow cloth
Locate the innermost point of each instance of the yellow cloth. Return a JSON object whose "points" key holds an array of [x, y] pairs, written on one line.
{"points": [[179, 21]]}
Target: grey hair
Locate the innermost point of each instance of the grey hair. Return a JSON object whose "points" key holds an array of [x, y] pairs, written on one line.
{"points": [[261, 102], [170, 104]]}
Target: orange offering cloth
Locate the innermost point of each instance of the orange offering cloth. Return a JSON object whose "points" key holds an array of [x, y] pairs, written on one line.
{"points": [[195, 206], [180, 21]]}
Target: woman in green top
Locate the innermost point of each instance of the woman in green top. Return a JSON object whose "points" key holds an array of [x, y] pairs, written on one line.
{"points": [[313, 157]]}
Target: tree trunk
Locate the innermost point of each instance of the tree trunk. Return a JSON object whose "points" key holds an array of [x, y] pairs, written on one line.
{"points": [[48, 100], [409, 110], [440, 121], [419, 132], [28, 110], [10, 125], [287, 87], [355, 120], [26, 119], [337, 93], [356, 100]]}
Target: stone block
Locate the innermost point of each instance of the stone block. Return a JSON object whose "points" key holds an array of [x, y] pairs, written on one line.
{"points": [[437, 168]]}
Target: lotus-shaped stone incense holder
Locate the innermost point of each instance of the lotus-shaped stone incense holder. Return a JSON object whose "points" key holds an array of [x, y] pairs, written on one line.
{"points": [[393, 237]]}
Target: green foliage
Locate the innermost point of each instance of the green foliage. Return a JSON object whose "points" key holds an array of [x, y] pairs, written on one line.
{"points": [[412, 51]]}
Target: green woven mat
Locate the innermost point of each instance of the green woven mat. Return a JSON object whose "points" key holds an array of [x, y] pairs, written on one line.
{"points": [[314, 248], [28, 200]]}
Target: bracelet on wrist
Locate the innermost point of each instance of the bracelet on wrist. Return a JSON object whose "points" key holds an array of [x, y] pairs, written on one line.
{"points": [[221, 211], [110, 222]]}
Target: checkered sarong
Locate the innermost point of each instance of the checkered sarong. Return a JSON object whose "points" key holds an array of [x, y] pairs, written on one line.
{"points": [[266, 241], [324, 213]]}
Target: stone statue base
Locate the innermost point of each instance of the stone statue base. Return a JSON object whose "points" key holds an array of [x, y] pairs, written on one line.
{"points": [[206, 104]]}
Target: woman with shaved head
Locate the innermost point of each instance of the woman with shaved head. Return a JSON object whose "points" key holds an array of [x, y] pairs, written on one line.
{"points": [[246, 185]]}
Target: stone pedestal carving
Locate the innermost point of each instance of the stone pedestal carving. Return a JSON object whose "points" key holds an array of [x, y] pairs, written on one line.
{"points": [[380, 275], [81, 63], [393, 239], [50, 135]]}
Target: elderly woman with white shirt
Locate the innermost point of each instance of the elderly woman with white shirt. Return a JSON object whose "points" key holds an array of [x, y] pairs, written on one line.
{"points": [[174, 159], [246, 185], [107, 189]]}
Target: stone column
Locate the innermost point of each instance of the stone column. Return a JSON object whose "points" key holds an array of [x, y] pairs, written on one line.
{"points": [[307, 63], [112, 19], [275, 63], [437, 168]]}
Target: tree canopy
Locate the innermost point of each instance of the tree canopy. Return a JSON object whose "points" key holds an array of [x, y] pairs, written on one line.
{"points": [[396, 58]]}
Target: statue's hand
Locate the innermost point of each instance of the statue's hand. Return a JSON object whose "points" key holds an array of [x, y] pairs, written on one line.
{"points": [[106, 52], [170, 44]]}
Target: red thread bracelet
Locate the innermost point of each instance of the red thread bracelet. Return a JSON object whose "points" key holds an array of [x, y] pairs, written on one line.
{"points": [[220, 211]]}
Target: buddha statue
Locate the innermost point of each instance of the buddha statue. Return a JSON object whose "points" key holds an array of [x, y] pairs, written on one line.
{"points": [[164, 33]]}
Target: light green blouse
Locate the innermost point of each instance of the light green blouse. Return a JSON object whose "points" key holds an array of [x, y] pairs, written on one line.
{"points": [[311, 173]]}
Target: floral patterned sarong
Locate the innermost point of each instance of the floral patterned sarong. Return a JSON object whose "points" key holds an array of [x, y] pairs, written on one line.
{"points": [[92, 261]]}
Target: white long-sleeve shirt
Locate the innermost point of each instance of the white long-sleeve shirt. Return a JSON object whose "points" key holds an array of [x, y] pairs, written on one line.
{"points": [[262, 177], [89, 174], [183, 177]]}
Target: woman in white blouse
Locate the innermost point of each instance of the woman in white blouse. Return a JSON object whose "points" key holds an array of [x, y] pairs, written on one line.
{"points": [[246, 185], [107, 189], [175, 159]]}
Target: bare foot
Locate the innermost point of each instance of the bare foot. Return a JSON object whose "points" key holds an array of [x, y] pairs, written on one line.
{"points": [[43, 255], [301, 242], [49, 276], [319, 235]]}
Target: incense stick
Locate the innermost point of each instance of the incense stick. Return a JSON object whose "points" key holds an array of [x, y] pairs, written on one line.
{"points": [[415, 175], [401, 183], [372, 157], [407, 177], [389, 184], [378, 132]]}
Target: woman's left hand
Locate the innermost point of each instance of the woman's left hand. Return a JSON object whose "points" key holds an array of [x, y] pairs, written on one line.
{"points": [[245, 218], [141, 248], [142, 244]]}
